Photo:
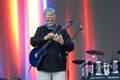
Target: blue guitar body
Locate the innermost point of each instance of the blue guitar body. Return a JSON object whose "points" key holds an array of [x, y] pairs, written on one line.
{"points": [[36, 56]]}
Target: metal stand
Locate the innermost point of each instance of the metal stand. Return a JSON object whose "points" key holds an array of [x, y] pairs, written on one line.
{"points": [[86, 62]]}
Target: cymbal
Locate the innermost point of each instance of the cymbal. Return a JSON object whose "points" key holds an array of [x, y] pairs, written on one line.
{"points": [[118, 51], [81, 61], [95, 52]]}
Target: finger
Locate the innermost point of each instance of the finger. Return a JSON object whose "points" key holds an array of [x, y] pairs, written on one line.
{"points": [[54, 39], [56, 34], [51, 34]]}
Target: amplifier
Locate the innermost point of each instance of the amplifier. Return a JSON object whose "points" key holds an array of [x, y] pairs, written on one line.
{"points": [[113, 77], [102, 77], [94, 78]]}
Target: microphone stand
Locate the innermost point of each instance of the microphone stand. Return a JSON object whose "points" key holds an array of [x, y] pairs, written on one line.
{"points": [[76, 33], [67, 70]]}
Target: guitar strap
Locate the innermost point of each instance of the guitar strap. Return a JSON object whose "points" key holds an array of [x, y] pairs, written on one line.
{"points": [[55, 28]]}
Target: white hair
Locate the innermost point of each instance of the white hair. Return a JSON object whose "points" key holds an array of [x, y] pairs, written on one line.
{"points": [[49, 11]]}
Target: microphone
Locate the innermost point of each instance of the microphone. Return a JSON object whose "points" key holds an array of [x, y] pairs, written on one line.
{"points": [[81, 28], [70, 21]]}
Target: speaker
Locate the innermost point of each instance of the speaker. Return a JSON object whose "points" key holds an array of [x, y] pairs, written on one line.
{"points": [[9, 78]]}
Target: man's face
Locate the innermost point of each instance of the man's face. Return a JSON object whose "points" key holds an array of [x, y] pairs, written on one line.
{"points": [[50, 19]]}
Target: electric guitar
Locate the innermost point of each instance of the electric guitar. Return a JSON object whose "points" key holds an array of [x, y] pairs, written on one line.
{"points": [[38, 53]]}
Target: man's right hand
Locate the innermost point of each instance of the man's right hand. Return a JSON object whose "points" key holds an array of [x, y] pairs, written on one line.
{"points": [[49, 36]]}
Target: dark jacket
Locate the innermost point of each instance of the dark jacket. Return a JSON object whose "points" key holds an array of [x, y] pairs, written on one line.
{"points": [[55, 60]]}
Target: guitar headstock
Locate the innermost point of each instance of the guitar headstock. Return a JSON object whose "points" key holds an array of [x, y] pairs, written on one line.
{"points": [[68, 25]]}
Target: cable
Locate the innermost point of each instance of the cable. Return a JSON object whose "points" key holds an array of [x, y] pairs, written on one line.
{"points": [[28, 73]]}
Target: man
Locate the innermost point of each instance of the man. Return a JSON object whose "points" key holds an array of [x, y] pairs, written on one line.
{"points": [[53, 64]]}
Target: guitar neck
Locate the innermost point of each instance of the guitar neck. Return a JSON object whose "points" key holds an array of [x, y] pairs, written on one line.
{"points": [[47, 44], [55, 31]]}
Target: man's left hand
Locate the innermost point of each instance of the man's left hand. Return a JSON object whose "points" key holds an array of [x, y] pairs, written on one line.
{"points": [[58, 38]]}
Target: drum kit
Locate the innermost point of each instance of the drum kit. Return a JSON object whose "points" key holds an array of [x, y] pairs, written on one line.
{"points": [[98, 68]]}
